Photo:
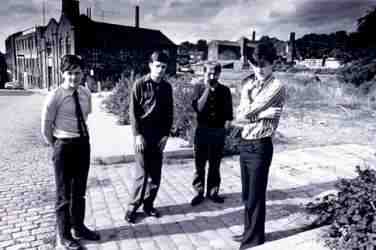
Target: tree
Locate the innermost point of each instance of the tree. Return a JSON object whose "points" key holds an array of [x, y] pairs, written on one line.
{"points": [[365, 28], [202, 46]]}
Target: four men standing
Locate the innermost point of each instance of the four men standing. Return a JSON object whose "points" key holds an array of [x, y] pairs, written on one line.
{"points": [[151, 116]]}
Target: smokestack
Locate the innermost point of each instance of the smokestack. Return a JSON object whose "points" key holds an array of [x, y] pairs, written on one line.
{"points": [[88, 12], [292, 47], [137, 16], [253, 35]]}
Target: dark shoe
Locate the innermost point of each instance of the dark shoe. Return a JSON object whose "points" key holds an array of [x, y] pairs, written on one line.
{"points": [[216, 198], [84, 233], [130, 217], [70, 244], [197, 200], [238, 238], [152, 212]]}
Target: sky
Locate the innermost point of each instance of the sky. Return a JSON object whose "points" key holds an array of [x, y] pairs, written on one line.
{"points": [[190, 20]]}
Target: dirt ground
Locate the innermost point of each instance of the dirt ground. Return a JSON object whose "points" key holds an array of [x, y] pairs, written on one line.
{"points": [[322, 126]]}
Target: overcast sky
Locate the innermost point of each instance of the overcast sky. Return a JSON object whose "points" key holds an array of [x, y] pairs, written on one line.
{"points": [[191, 20]]}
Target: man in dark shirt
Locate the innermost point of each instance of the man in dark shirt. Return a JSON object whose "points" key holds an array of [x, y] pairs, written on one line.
{"points": [[151, 112], [212, 102]]}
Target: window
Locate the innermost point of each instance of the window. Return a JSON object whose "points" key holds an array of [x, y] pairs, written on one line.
{"points": [[67, 45]]}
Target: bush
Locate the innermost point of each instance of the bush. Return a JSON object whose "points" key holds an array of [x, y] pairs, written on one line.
{"points": [[351, 213], [117, 102], [184, 116], [358, 72], [184, 123]]}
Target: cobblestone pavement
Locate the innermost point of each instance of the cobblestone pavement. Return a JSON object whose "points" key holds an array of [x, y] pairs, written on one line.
{"points": [[27, 194], [26, 187]]}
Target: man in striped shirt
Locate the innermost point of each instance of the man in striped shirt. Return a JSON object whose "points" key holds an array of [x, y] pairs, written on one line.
{"points": [[258, 116]]}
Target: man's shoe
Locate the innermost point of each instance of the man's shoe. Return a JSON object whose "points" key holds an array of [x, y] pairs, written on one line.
{"points": [[197, 200], [70, 244], [152, 212], [216, 198], [238, 238], [84, 233], [130, 217]]}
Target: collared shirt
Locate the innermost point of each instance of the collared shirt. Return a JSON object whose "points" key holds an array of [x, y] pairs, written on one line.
{"points": [[258, 96], [217, 109], [59, 116], [151, 107]]}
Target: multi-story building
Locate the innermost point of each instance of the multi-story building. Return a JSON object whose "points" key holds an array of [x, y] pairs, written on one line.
{"points": [[33, 55]]}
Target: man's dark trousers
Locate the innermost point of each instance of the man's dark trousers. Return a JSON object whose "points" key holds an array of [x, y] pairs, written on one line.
{"points": [[208, 147], [71, 158], [147, 175], [255, 160]]}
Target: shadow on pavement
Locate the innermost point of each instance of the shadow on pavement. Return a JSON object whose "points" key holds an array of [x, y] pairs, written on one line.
{"points": [[197, 220]]}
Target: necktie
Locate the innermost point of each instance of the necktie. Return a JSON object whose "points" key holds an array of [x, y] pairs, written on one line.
{"points": [[80, 118]]}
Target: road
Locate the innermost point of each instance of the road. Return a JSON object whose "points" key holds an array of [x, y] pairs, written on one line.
{"points": [[26, 179]]}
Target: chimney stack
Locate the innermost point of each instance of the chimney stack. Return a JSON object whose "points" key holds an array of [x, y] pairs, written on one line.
{"points": [[88, 13], [137, 16], [253, 36], [292, 47]]}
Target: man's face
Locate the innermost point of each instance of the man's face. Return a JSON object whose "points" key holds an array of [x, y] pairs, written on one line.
{"points": [[72, 78], [157, 69], [210, 76], [262, 69]]}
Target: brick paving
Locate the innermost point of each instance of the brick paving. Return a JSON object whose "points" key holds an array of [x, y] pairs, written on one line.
{"points": [[27, 219], [26, 178]]}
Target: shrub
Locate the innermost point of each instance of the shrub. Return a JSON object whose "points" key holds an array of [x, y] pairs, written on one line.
{"points": [[184, 117], [351, 213], [117, 102], [358, 72]]}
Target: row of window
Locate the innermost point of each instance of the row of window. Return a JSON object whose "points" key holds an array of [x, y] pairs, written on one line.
{"points": [[26, 44], [31, 44]]}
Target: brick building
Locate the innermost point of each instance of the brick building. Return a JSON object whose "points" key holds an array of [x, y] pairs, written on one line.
{"points": [[3, 71], [33, 56]]}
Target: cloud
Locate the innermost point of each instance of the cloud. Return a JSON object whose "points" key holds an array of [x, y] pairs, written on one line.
{"points": [[191, 20]]}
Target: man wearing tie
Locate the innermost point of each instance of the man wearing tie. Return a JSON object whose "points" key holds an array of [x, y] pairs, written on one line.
{"points": [[64, 128]]}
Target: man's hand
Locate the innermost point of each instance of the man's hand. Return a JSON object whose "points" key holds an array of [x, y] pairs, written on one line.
{"points": [[270, 113], [162, 143], [139, 143]]}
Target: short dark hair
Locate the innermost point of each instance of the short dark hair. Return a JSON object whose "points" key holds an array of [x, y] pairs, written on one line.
{"points": [[70, 62], [217, 67], [264, 50], [159, 56]]}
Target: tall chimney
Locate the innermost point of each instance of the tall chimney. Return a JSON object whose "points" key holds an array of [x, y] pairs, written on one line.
{"points": [[71, 8], [137, 16], [88, 12], [253, 35], [292, 47]]}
